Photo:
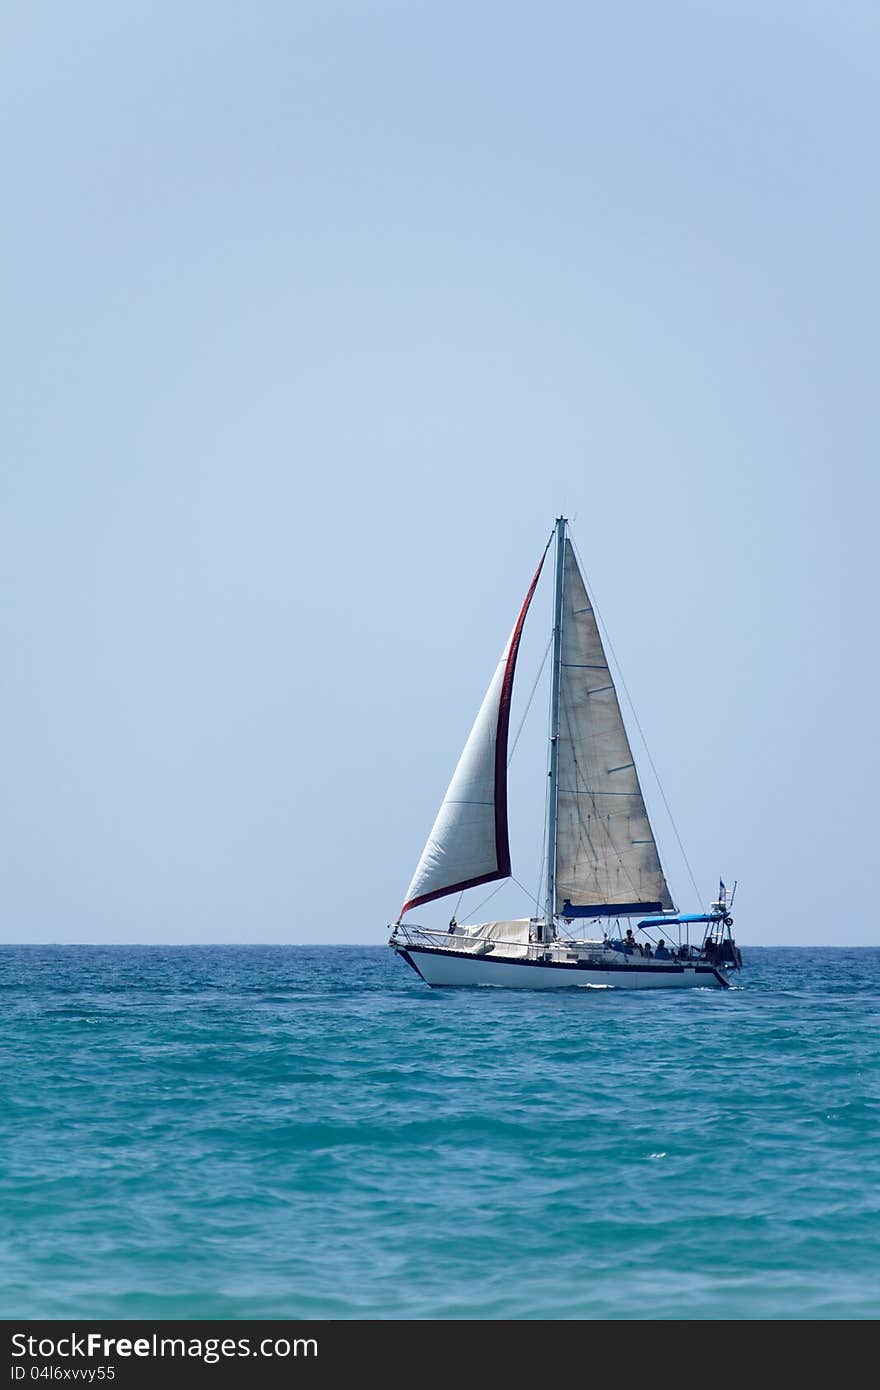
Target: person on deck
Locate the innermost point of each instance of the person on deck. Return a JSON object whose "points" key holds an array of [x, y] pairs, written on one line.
{"points": [[662, 952], [629, 942]]}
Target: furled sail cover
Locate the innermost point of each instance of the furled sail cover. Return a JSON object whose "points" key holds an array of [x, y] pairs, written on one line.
{"points": [[469, 844], [606, 856]]}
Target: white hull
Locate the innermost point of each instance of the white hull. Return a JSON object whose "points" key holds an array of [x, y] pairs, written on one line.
{"points": [[443, 967]]}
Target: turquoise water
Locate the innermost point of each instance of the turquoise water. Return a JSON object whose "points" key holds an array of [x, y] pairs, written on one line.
{"points": [[311, 1132]]}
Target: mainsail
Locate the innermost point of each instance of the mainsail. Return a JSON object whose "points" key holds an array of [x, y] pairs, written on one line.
{"points": [[469, 843], [606, 855]]}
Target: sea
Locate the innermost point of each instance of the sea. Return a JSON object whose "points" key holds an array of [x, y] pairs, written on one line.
{"points": [[311, 1132]]}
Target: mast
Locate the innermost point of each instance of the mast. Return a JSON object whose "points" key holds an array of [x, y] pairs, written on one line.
{"points": [[550, 924]]}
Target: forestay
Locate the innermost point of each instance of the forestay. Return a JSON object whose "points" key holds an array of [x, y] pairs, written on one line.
{"points": [[469, 843]]}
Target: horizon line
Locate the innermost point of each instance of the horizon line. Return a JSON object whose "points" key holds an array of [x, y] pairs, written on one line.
{"points": [[192, 945]]}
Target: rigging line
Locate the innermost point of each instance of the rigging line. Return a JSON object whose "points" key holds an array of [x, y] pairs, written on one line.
{"points": [[541, 869], [543, 843], [636, 719], [526, 891], [543, 863], [530, 699], [482, 904], [532, 696]]}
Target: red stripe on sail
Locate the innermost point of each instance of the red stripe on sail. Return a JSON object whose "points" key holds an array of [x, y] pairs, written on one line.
{"points": [[453, 888], [502, 841]]}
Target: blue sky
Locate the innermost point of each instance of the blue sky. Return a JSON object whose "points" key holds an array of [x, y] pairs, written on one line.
{"points": [[315, 317]]}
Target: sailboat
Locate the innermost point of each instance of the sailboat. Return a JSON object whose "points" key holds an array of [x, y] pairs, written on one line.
{"points": [[602, 860]]}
